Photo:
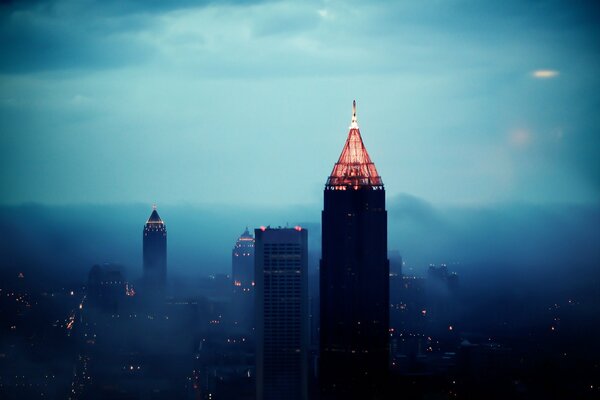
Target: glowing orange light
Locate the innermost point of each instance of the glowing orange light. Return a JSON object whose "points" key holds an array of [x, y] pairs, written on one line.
{"points": [[298, 228], [262, 228]]}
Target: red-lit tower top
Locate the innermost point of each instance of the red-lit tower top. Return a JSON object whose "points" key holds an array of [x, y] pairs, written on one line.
{"points": [[354, 169]]}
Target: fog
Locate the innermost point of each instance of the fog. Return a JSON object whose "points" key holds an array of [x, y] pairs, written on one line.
{"points": [[522, 269], [502, 242]]}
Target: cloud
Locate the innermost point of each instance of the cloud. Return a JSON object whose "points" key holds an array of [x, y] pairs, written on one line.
{"points": [[409, 210], [270, 37], [545, 73], [200, 237], [87, 35], [40, 40]]}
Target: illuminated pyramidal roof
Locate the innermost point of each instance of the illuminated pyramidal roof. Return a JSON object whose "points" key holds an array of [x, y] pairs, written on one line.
{"points": [[154, 217], [244, 245], [354, 169], [245, 240], [246, 235]]}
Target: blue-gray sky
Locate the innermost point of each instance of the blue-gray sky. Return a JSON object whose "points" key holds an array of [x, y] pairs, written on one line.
{"points": [[459, 102]]}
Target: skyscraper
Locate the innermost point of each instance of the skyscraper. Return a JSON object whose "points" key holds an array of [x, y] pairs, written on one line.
{"points": [[354, 277], [155, 257], [242, 278], [106, 287], [281, 269]]}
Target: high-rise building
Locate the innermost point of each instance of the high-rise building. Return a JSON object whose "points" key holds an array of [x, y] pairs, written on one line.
{"points": [[242, 278], [106, 288], [155, 257], [395, 262], [281, 269], [354, 277]]}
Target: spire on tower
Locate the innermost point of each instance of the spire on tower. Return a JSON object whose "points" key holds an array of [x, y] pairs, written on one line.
{"points": [[354, 169], [354, 123], [154, 217], [246, 234]]}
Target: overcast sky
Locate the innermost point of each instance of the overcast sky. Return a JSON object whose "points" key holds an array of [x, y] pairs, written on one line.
{"points": [[249, 102]]}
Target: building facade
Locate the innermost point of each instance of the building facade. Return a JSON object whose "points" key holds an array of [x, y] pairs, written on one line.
{"points": [[281, 269], [354, 277]]}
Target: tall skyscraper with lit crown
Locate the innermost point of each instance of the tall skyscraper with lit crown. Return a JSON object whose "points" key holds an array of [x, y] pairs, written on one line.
{"points": [[354, 277], [155, 257]]}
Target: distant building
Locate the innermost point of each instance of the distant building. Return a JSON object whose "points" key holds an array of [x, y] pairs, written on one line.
{"points": [[155, 257], [441, 275], [281, 269], [408, 303], [354, 336], [242, 279], [442, 288], [395, 262], [106, 288]]}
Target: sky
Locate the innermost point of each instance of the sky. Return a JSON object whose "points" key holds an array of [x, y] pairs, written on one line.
{"points": [[459, 102]]}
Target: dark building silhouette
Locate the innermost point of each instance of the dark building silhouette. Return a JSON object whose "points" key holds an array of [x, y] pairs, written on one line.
{"points": [[442, 290], [242, 279], [395, 262], [281, 274], [439, 275], [106, 287], [354, 273], [155, 257]]}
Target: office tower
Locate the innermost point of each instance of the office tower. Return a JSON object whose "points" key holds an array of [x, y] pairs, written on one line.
{"points": [[440, 277], [281, 269], [354, 274], [242, 278], [441, 287], [155, 257], [395, 262], [106, 287]]}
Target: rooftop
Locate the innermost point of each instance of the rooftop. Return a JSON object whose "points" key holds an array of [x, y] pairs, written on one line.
{"points": [[354, 169], [154, 217]]}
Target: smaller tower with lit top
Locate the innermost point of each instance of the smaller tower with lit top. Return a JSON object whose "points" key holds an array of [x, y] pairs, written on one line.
{"points": [[242, 278], [155, 257]]}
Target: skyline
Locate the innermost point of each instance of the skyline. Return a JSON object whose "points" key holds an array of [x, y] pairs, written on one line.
{"points": [[453, 111], [457, 257]]}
